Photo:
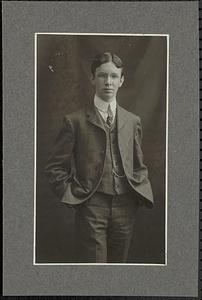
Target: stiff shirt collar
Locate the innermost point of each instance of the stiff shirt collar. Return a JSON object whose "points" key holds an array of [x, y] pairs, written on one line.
{"points": [[102, 106]]}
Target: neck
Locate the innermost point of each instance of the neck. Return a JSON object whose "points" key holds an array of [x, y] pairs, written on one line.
{"points": [[106, 100]]}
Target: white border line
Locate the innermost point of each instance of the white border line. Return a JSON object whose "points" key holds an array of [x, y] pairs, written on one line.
{"points": [[35, 140], [100, 264], [166, 177], [119, 34], [35, 148]]}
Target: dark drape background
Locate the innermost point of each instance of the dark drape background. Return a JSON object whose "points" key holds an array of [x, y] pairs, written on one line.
{"points": [[63, 86]]}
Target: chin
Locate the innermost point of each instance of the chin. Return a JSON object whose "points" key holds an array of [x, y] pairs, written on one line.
{"points": [[107, 99]]}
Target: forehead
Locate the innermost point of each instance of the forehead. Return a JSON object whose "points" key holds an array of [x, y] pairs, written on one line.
{"points": [[108, 67]]}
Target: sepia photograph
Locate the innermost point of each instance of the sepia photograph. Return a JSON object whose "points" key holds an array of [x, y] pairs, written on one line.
{"points": [[101, 148], [101, 138]]}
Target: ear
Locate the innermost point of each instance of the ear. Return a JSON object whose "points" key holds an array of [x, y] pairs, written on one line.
{"points": [[121, 80], [92, 79]]}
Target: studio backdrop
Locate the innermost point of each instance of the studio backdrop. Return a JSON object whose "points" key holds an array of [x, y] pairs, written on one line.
{"points": [[63, 86]]}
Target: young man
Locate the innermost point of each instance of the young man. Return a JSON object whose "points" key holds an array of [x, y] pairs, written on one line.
{"points": [[97, 167]]}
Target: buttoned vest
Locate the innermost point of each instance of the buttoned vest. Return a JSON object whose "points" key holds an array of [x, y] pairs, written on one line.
{"points": [[113, 180]]}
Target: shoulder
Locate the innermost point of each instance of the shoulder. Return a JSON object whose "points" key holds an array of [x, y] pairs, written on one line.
{"points": [[75, 116], [129, 115], [72, 120]]}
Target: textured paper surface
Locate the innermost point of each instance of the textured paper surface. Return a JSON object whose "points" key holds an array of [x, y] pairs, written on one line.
{"points": [[20, 21]]}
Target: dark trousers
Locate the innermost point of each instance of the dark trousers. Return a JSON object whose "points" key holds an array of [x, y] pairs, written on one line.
{"points": [[104, 227]]}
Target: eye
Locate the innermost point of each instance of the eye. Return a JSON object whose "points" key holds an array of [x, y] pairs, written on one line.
{"points": [[101, 75], [114, 76]]}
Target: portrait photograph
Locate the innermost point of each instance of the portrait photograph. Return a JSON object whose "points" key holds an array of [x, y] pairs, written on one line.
{"points": [[101, 149], [101, 113]]}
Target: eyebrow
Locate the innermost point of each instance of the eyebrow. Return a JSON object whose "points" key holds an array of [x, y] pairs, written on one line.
{"points": [[104, 73]]}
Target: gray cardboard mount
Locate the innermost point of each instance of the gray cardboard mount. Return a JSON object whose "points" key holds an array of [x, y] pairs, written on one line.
{"points": [[21, 19]]}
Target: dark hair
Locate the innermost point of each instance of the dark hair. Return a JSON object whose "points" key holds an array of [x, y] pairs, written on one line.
{"points": [[104, 58]]}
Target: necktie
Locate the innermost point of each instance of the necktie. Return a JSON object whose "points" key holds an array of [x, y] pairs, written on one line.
{"points": [[110, 116]]}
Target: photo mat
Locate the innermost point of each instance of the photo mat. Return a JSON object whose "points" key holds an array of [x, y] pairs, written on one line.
{"points": [[22, 20]]}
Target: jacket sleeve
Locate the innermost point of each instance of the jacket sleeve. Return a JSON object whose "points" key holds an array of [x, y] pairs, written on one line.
{"points": [[140, 171], [58, 168]]}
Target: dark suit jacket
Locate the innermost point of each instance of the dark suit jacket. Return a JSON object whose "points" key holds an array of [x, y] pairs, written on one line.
{"points": [[76, 164]]}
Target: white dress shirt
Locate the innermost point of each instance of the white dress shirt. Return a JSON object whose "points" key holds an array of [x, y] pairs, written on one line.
{"points": [[102, 107]]}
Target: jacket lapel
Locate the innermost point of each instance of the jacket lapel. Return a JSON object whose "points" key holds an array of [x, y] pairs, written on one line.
{"points": [[93, 116], [124, 133], [122, 118]]}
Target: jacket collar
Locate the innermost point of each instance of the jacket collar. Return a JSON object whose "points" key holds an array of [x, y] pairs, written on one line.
{"points": [[93, 117]]}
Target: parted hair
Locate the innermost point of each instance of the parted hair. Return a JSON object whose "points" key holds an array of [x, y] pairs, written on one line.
{"points": [[105, 58]]}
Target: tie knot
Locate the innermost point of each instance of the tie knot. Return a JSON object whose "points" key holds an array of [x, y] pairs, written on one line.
{"points": [[110, 116]]}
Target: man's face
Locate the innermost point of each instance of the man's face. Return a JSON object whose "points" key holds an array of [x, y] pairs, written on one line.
{"points": [[107, 81]]}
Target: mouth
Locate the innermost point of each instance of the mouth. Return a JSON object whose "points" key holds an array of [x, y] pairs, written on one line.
{"points": [[108, 90]]}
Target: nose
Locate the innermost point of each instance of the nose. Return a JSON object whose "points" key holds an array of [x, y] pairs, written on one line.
{"points": [[108, 80]]}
